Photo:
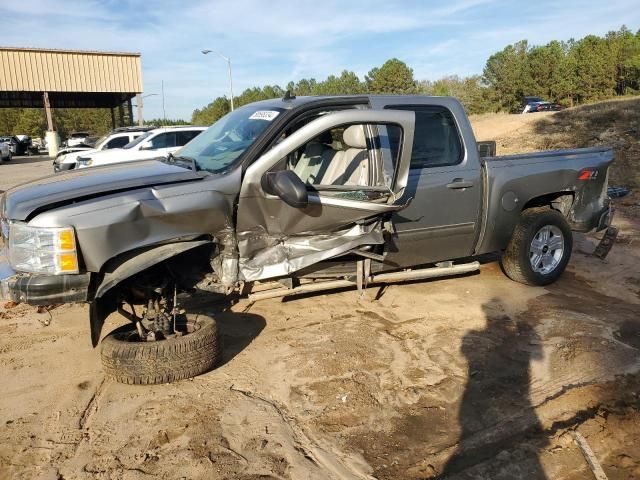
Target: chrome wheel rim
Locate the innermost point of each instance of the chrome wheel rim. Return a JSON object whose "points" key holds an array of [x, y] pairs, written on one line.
{"points": [[546, 249]]}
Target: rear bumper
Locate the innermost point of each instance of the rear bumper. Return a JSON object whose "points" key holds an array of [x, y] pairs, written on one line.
{"points": [[42, 289], [594, 220], [606, 217]]}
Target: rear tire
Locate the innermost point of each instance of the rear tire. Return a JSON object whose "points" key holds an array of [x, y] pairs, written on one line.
{"points": [[161, 361], [539, 249]]}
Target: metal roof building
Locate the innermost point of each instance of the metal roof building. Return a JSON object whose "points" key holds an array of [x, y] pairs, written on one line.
{"points": [[72, 78], [49, 78]]}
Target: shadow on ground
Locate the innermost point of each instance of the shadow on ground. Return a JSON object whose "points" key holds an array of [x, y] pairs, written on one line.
{"points": [[497, 389], [237, 329]]}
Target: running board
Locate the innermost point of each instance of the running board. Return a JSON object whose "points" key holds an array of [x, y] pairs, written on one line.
{"points": [[381, 278]]}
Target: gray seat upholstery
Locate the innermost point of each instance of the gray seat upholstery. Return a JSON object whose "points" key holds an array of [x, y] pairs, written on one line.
{"points": [[315, 159], [350, 167]]}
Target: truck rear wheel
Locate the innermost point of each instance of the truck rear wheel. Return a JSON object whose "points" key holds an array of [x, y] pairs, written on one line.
{"points": [[129, 359], [539, 249]]}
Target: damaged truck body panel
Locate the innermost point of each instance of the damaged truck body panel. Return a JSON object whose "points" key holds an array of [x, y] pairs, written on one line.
{"points": [[276, 239], [576, 179], [112, 225]]}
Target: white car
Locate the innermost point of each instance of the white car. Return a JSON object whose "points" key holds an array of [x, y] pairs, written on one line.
{"points": [[76, 138], [5, 152], [156, 143], [118, 138]]}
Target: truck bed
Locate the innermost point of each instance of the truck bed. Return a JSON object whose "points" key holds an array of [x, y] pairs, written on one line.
{"points": [[510, 180]]}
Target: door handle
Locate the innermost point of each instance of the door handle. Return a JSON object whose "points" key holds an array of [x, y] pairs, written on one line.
{"points": [[458, 183]]}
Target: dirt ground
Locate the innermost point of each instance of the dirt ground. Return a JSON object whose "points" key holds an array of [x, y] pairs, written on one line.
{"points": [[474, 377], [24, 169]]}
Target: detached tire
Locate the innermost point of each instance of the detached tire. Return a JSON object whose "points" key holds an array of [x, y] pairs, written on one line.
{"points": [[162, 361], [539, 249]]}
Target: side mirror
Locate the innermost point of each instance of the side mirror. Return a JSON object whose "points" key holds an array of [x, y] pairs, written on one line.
{"points": [[286, 185]]}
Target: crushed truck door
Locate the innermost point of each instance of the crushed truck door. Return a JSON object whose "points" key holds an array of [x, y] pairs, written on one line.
{"points": [[322, 191]]}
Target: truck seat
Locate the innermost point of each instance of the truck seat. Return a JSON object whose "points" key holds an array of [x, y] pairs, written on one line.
{"points": [[315, 159], [350, 167]]}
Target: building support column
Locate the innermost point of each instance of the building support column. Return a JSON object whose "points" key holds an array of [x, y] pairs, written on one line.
{"points": [[139, 107], [47, 110], [51, 137], [121, 115], [130, 113]]}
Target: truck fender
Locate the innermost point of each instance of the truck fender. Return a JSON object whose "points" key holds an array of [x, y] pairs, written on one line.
{"points": [[123, 267], [130, 263]]}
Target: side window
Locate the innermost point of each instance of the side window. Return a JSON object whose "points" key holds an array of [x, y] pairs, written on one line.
{"points": [[353, 156], [164, 140], [184, 137], [436, 142], [117, 142]]}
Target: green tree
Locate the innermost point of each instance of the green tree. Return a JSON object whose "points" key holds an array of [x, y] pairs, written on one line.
{"points": [[165, 121], [472, 93], [507, 74], [393, 77], [31, 121], [595, 69], [212, 112], [624, 48]]}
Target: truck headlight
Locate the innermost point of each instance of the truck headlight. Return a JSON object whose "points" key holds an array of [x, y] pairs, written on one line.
{"points": [[42, 250]]}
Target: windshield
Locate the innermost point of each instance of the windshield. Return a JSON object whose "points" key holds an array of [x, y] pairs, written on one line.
{"points": [[138, 140], [217, 147], [100, 141]]}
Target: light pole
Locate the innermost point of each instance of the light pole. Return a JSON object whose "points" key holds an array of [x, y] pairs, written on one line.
{"points": [[228, 60], [140, 105]]}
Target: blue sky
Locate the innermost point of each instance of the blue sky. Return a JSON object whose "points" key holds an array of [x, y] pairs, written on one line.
{"points": [[273, 42]]}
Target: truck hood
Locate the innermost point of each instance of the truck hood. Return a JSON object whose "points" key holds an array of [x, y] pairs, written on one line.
{"points": [[21, 201]]}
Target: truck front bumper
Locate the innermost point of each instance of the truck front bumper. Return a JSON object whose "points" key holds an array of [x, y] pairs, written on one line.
{"points": [[42, 289]]}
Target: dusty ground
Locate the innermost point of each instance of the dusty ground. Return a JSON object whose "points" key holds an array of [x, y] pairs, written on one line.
{"points": [[24, 169], [472, 377]]}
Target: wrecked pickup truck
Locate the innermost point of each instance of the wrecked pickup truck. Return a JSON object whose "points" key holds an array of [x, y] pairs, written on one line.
{"points": [[289, 196]]}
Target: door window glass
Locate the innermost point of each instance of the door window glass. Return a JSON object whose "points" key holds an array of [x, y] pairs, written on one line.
{"points": [[164, 140], [436, 141], [117, 142]]}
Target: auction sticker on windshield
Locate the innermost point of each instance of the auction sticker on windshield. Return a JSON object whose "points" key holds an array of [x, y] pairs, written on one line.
{"points": [[267, 115]]}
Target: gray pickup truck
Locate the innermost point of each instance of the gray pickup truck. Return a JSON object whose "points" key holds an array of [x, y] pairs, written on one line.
{"points": [[289, 196]]}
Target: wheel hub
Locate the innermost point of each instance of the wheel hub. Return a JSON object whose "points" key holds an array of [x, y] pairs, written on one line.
{"points": [[546, 250]]}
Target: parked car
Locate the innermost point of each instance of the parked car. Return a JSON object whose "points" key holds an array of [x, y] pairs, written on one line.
{"points": [[23, 146], [314, 192], [536, 104], [12, 142], [159, 142], [547, 107], [67, 158], [528, 103], [76, 138], [5, 152]]}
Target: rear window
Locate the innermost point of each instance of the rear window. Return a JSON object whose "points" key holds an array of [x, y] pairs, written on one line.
{"points": [[436, 140], [185, 136]]}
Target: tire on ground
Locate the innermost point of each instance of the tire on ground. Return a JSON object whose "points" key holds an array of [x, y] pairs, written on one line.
{"points": [[162, 361], [515, 260]]}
